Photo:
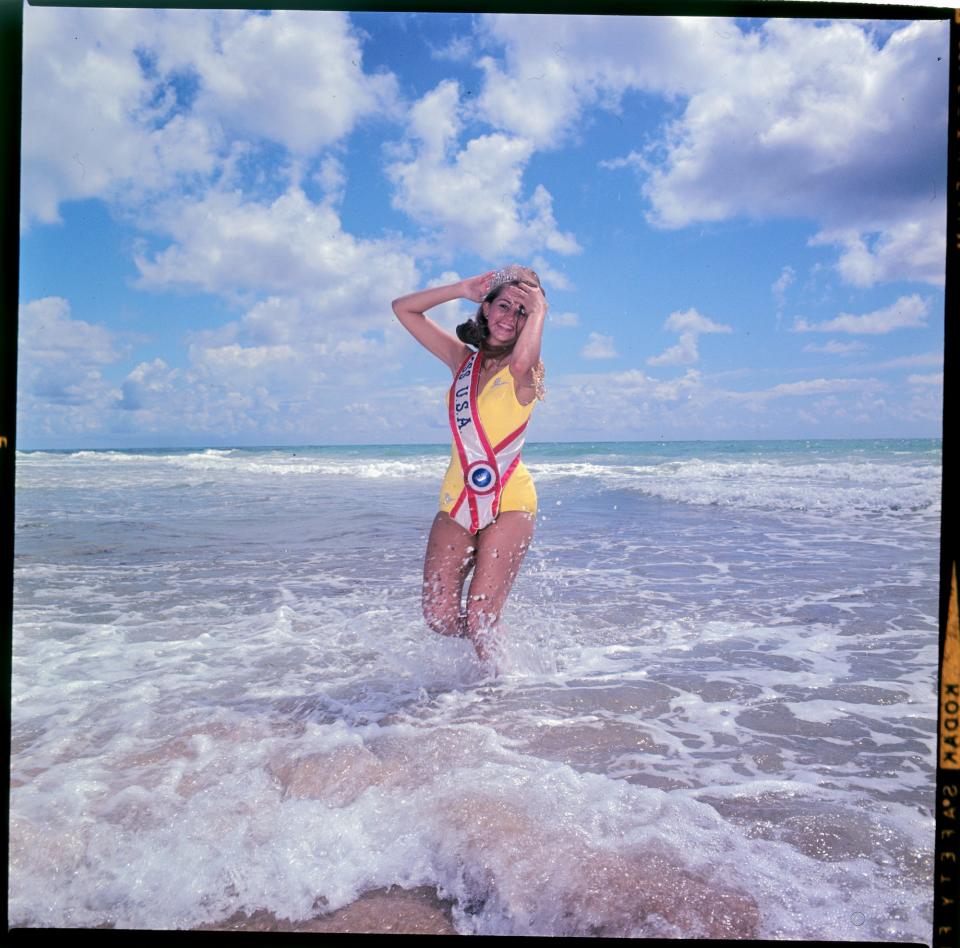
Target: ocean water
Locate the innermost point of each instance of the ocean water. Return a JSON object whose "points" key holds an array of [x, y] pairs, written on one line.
{"points": [[715, 713]]}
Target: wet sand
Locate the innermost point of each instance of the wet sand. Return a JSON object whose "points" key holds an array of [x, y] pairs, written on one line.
{"points": [[393, 911]]}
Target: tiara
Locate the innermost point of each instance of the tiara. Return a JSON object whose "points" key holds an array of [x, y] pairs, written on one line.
{"points": [[512, 273]]}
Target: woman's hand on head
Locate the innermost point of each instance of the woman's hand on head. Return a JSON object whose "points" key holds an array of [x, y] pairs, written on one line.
{"points": [[476, 288], [534, 300]]}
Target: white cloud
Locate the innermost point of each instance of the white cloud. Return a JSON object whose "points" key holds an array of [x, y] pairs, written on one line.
{"points": [[61, 389], [833, 347], [690, 324], [818, 121], [908, 312], [317, 308], [779, 288], [240, 365], [60, 358], [550, 277], [685, 352], [934, 378], [633, 405], [912, 250], [818, 386], [149, 385], [627, 404], [913, 361], [332, 179], [89, 126], [150, 99], [554, 67], [564, 319], [288, 248], [841, 123], [635, 383], [288, 364], [807, 388], [472, 197], [633, 160], [241, 389], [599, 347], [811, 103], [691, 321], [292, 77]]}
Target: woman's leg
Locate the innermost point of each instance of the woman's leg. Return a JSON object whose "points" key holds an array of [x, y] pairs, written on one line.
{"points": [[500, 550], [450, 555]]}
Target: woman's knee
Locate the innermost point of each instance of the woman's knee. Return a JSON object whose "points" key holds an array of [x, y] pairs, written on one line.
{"points": [[481, 616], [441, 615]]}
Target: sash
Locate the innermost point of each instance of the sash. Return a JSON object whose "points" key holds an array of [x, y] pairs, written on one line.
{"points": [[486, 468]]}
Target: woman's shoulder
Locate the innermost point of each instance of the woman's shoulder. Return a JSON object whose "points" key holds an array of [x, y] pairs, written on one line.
{"points": [[458, 359]]}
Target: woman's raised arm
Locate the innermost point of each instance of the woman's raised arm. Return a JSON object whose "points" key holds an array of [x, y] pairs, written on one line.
{"points": [[526, 352], [411, 309]]}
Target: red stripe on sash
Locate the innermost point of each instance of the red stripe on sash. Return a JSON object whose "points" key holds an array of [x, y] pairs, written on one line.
{"points": [[503, 482], [509, 438], [511, 469]]}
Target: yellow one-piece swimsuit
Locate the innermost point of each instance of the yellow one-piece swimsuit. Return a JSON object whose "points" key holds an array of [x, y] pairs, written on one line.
{"points": [[500, 414]]}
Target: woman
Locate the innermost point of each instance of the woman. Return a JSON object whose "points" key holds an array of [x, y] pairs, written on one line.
{"points": [[487, 501]]}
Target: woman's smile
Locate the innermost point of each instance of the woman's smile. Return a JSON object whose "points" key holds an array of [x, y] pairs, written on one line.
{"points": [[505, 315]]}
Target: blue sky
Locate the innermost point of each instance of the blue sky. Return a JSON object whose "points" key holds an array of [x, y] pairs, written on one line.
{"points": [[739, 223]]}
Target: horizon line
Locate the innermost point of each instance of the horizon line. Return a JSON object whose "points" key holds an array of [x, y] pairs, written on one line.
{"points": [[446, 444]]}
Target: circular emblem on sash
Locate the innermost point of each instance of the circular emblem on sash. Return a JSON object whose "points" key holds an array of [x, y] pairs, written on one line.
{"points": [[482, 477]]}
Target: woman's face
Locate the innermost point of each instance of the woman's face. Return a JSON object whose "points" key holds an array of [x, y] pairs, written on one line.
{"points": [[505, 316]]}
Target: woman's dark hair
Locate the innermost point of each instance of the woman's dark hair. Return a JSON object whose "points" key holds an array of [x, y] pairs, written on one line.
{"points": [[475, 332]]}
